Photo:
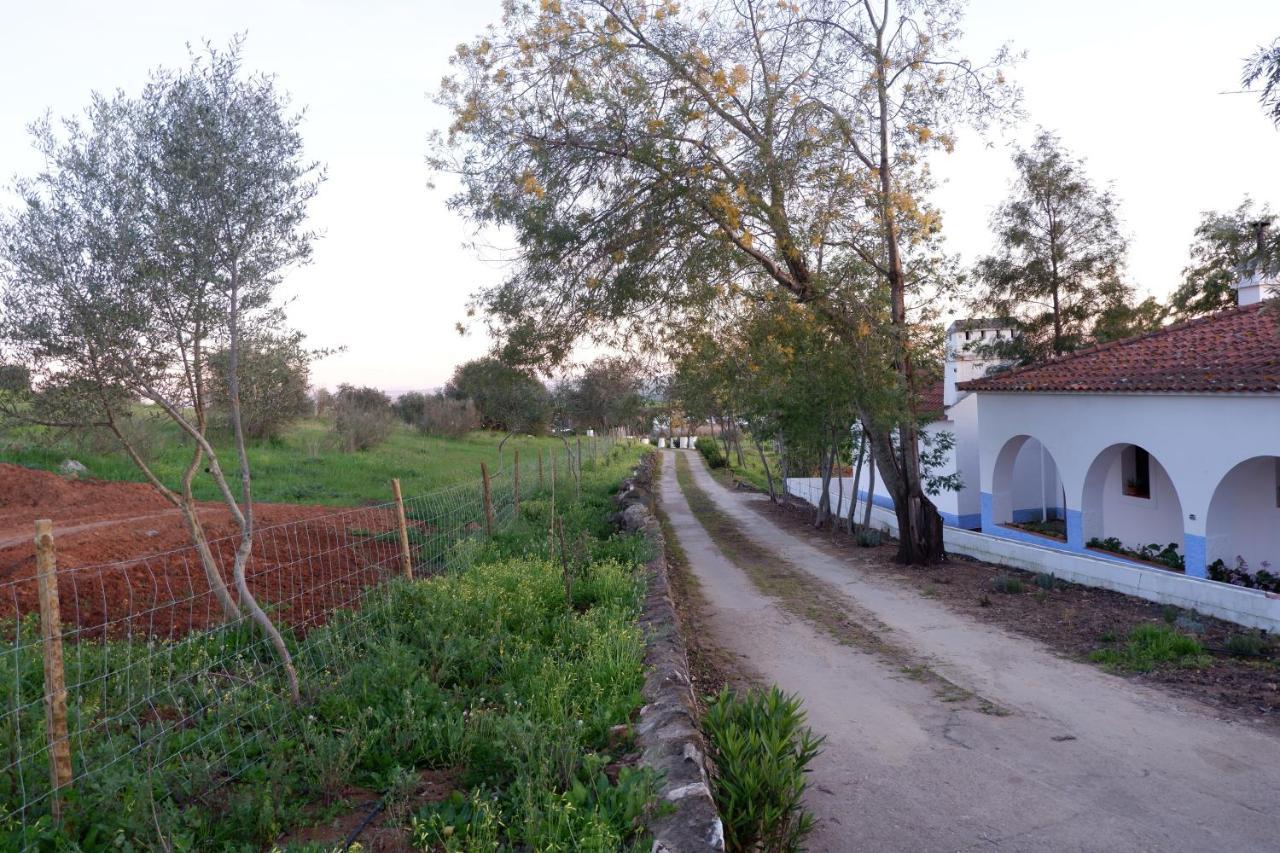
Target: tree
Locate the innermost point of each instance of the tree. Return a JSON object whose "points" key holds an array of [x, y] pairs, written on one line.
{"points": [[362, 417], [1224, 244], [506, 398], [1124, 320], [1263, 69], [411, 407], [275, 372], [1060, 253], [159, 226], [644, 156], [605, 395]]}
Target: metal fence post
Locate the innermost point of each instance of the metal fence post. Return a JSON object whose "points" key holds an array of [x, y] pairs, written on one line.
{"points": [[488, 499], [55, 684]]}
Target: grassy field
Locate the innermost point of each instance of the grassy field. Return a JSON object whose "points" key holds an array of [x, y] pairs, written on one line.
{"points": [[504, 683], [303, 467]]}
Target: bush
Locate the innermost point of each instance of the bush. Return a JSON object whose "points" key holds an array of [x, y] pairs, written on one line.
{"points": [[1242, 575], [710, 450], [868, 537], [274, 372], [1249, 645], [761, 750], [1150, 645], [362, 417], [448, 418], [1007, 584]]}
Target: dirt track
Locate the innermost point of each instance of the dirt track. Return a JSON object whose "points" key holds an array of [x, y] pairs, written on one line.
{"points": [[126, 565], [1075, 759]]}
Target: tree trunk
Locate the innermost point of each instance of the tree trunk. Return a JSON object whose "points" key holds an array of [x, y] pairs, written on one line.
{"points": [[857, 478], [835, 455], [871, 495], [824, 501], [786, 470], [768, 475]]}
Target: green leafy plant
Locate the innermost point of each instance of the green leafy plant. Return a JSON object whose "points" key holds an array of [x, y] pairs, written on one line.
{"points": [[1007, 584], [1242, 575], [761, 750], [1148, 646], [1046, 582], [1167, 555], [710, 450]]}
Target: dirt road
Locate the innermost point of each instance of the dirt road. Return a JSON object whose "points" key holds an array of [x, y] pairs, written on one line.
{"points": [[1045, 754]]}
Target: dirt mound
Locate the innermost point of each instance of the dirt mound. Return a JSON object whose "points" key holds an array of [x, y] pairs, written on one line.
{"points": [[126, 565]]}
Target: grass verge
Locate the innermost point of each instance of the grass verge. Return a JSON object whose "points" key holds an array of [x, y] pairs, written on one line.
{"points": [[1148, 647]]}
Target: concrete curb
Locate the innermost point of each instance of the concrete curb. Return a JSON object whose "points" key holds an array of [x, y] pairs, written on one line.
{"points": [[668, 733]]}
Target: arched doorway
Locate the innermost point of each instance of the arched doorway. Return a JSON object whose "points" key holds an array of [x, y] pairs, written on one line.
{"points": [[1026, 490], [1244, 516], [1130, 503]]}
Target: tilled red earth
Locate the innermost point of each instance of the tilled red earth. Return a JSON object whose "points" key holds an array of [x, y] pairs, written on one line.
{"points": [[126, 565]]}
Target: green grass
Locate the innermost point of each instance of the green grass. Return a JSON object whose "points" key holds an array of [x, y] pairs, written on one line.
{"points": [[752, 472], [505, 675], [305, 466], [1150, 646]]}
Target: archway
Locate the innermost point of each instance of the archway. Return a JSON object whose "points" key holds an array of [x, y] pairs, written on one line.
{"points": [[1130, 502], [1026, 489], [1244, 516]]}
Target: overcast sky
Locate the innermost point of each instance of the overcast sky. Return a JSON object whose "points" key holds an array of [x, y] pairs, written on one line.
{"points": [[1134, 87]]}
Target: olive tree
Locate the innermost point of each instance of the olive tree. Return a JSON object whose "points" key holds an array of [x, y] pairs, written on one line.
{"points": [[644, 154], [156, 233]]}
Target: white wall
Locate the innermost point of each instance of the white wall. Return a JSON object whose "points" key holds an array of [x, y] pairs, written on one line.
{"points": [[1136, 521], [1244, 520], [1035, 480]]}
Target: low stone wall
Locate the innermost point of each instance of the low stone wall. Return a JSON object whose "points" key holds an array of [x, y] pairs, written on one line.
{"points": [[1251, 608], [668, 733]]}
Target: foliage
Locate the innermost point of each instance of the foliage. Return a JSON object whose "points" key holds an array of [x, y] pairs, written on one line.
{"points": [[1123, 319], [362, 417], [490, 672], [1167, 555], [1007, 584], [710, 450], [647, 159], [506, 398], [760, 750], [275, 372], [1148, 646], [1250, 644], [1225, 242], [1060, 254], [1242, 575], [605, 394], [1263, 69]]}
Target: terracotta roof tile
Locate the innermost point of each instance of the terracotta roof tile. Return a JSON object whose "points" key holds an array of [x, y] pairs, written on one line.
{"points": [[1237, 350]]}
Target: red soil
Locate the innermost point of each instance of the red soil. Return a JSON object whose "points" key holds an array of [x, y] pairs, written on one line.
{"points": [[126, 565]]}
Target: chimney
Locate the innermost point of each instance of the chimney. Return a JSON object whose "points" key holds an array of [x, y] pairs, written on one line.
{"points": [[1251, 284]]}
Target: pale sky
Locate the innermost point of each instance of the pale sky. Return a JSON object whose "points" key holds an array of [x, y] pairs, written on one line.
{"points": [[1131, 86]]}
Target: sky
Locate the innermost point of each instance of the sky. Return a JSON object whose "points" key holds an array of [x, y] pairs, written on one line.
{"points": [[1134, 87]]}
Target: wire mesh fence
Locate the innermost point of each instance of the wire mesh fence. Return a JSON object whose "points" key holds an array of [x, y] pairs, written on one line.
{"points": [[160, 682]]}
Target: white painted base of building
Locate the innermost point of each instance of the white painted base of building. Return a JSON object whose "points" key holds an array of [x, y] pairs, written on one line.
{"points": [[1249, 607]]}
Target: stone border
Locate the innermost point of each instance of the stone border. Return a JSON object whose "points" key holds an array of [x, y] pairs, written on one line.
{"points": [[668, 734]]}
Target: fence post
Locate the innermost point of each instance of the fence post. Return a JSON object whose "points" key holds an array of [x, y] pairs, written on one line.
{"points": [[55, 684], [541, 483], [406, 563], [515, 483], [488, 499]]}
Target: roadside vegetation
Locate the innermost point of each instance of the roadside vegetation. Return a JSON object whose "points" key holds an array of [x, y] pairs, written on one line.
{"points": [[508, 687]]}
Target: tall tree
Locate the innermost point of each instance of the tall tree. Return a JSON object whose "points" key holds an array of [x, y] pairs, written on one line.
{"points": [[1059, 256], [643, 154], [605, 394], [506, 398], [1263, 70], [160, 226], [1225, 244]]}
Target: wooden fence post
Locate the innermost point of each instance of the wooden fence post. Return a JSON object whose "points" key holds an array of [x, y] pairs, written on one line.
{"points": [[515, 483], [541, 483], [55, 684], [488, 499], [406, 563]]}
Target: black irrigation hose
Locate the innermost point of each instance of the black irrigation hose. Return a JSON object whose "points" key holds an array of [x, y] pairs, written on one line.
{"points": [[378, 806]]}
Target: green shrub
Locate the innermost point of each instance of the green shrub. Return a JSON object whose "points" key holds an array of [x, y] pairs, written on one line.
{"points": [[761, 750], [711, 451], [1247, 645], [1046, 582], [867, 537], [1007, 584], [1148, 646]]}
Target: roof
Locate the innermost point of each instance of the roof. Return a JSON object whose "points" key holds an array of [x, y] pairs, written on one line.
{"points": [[1236, 351], [930, 400]]}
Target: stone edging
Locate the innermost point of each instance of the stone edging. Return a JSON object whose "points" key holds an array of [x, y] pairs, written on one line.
{"points": [[668, 733]]}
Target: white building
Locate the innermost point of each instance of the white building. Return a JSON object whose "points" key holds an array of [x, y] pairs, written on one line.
{"points": [[1167, 438]]}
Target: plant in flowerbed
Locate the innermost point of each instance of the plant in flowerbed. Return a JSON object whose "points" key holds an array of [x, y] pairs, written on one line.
{"points": [[494, 679], [1166, 556], [1241, 574], [1149, 646]]}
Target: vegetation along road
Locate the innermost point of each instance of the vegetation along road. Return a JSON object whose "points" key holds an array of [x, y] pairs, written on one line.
{"points": [[946, 734]]}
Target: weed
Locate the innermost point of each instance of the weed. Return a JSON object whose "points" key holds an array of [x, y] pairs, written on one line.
{"points": [[1148, 646], [1046, 582], [1007, 584], [1169, 613], [1247, 645], [985, 601]]}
